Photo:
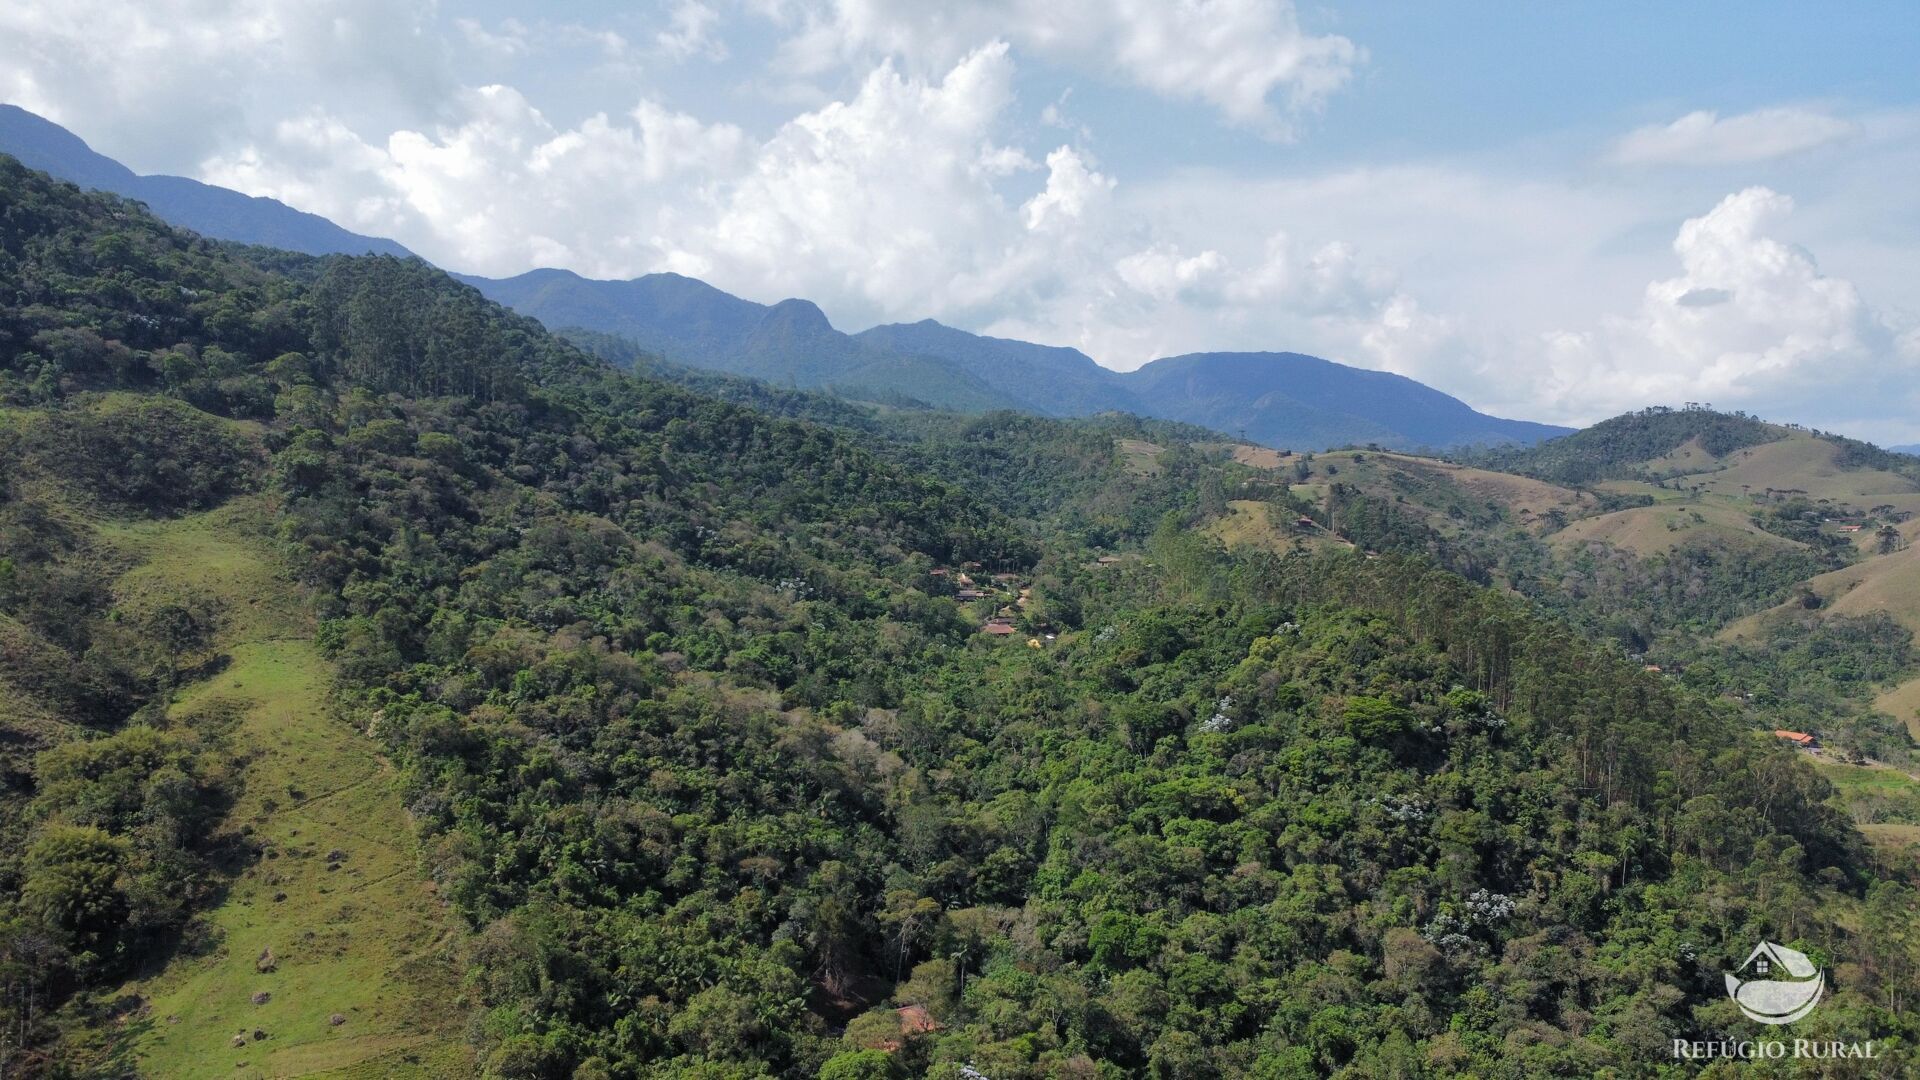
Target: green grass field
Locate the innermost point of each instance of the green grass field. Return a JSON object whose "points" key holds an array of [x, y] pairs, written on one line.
{"points": [[1139, 457], [1867, 780], [335, 894], [1900, 844]]}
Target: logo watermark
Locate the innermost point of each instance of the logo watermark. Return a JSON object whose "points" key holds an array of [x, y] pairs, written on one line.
{"points": [[1783, 985], [1775, 985], [1769, 1049]]}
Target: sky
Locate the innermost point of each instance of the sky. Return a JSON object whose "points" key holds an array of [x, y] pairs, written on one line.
{"points": [[1554, 211]]}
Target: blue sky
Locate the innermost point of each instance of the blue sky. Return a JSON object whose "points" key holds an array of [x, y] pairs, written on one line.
{"points": [[1554, 211]]}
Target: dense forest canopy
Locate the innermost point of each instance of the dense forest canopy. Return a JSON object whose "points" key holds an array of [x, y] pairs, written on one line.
{"points": [[714, 762]]}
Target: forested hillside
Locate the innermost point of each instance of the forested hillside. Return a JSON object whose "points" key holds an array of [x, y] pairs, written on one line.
{"points": [[718, 770]]}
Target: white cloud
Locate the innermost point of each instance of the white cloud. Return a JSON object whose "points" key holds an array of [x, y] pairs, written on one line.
{"points": [[1705, 138], [888, 202], [164, 83], [1072, 191], [1249, 59], [1161, 273], [502, 190], [508, 40], [512, 38], [1330, 281], [1749, 322], [689, 32]]}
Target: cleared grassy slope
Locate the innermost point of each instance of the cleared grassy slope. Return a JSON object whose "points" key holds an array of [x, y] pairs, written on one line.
{"points": [[334, 894], [1425, 486], [1139, 457], [1250, 523], [1800, 463], [1884, 583], [1903, 703], [1652, 530]]}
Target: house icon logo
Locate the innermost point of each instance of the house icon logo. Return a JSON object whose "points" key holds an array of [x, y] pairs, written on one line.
{"points": [[1776, 985]]}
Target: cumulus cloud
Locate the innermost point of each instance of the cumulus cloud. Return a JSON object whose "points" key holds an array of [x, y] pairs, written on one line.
{"points": [[886, 204], [1161, 273], [1249, 59], [1751, 322], [1072, 191], [1706, 138], [164, 83], [502, 189], [882, 201]]}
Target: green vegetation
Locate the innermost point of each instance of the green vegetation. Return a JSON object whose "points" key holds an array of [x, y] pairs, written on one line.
{"points": [[716, 777], [1625, 445], [323, 910]]}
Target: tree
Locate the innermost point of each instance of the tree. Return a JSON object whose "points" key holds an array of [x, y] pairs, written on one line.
{"points": [[73, 884], [859, 1065], [908, 918]]}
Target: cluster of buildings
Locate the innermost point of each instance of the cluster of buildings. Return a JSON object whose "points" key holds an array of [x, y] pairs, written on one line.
{"points": [[1004, 587]]}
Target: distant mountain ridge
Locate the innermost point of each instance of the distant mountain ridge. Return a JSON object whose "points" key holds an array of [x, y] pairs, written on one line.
{"points": [[1293, 400], [214, 212], [687, 321], [1047, 379], [1279, 398]]}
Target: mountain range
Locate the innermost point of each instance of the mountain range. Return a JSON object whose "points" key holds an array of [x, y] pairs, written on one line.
{"points": [[211, 211], [1281, 399]]}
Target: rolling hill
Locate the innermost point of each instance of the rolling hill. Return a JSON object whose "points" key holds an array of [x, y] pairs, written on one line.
{"points": [[1655, 530]]}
